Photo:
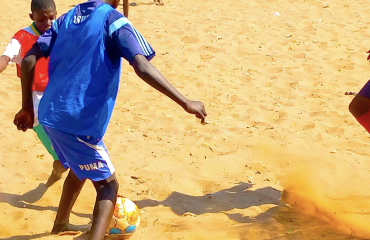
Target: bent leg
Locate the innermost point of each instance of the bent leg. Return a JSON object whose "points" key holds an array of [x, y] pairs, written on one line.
{"points": [[71, 189], [105, 201], [56, 173], [58, 167], [88, 159]]}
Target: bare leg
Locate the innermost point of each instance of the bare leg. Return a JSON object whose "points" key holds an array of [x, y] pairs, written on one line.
{"points": [[158, 2], [126, 5], [105, 200], [71, 189], [56, 174]]}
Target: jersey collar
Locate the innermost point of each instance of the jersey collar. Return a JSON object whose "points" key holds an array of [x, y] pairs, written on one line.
{"points": [[34, 29]]}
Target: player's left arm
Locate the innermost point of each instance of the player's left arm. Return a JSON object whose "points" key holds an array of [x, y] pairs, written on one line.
{"points": [[132, 46], [146, 71]]}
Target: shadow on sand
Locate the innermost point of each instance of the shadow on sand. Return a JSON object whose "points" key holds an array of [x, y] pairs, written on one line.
{"points": [[237, 197], [291, 224], [26, 201]]}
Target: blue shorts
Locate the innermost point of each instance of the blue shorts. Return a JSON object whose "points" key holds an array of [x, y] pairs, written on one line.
{"points": [[365, 91], [87, 157]]}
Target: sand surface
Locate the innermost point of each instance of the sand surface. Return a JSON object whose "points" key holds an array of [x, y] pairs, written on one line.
{"points": [[273, 76]]}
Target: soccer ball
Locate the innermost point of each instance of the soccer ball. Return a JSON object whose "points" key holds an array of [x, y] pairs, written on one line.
{"points": [[125, 218]]}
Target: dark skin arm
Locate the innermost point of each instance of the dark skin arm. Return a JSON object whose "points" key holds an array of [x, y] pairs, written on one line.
{"points": [[146, 71], [25, 117]]}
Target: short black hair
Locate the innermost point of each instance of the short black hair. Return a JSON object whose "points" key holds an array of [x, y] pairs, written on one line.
{"points": [[40, 5]]}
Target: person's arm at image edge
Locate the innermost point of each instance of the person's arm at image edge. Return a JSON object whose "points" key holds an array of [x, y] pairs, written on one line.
{"points": [[4, 61], [125, 7], [11, 51]]}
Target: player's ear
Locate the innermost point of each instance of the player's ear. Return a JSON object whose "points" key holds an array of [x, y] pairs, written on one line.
{"points": [[31, 16]]}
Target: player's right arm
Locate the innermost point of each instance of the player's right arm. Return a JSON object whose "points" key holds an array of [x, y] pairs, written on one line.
{"points": [[4, 61], [10, 54], [24, 119]]}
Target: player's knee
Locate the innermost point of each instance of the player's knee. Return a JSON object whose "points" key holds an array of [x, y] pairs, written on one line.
{"points": [[113, 182], [108, 186], [114, 185]]}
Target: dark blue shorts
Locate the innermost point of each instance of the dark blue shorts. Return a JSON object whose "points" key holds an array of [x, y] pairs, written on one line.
{"points": [[87, 157]]}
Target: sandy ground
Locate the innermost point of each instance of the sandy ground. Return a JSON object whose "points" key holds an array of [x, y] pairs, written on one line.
{"points": [[273, 76]]}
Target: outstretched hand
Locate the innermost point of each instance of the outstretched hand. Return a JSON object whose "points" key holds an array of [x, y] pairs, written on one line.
{"points": [[197, 108], [24, 119]]}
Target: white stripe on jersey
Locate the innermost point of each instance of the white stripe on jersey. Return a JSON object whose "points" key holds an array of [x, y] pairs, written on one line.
{"points": [[54, 25], [142, 42], [118, 24]]}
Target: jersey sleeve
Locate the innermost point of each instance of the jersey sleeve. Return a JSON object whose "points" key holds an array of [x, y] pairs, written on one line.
{"points": [[47, 40], [12, 50], [128, 42]]}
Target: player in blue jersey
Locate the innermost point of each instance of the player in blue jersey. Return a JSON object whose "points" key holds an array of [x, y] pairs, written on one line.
{"points": [[85, 47]]}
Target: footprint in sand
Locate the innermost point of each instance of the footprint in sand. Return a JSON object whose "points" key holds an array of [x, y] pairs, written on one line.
{"points": [[17, 215], [349, 67], [189, 40], [275, 70], [210, 48]]}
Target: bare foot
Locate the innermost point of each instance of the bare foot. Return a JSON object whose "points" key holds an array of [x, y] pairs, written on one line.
{"points": [[67, 227], [56, 174], [158, 2]]}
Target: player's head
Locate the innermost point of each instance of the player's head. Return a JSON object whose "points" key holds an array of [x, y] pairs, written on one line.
{"points": [[43, 13], [113, 3]]}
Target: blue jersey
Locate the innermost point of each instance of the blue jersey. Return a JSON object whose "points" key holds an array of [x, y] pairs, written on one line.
{"points": [[122, 40], [84, 69]]}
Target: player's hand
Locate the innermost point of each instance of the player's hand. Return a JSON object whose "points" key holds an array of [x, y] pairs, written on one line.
{"points": [[197, 108], [24, 119], [368, 57]]}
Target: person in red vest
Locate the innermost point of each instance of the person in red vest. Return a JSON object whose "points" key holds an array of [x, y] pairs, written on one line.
{"points": [[43, 12]]}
